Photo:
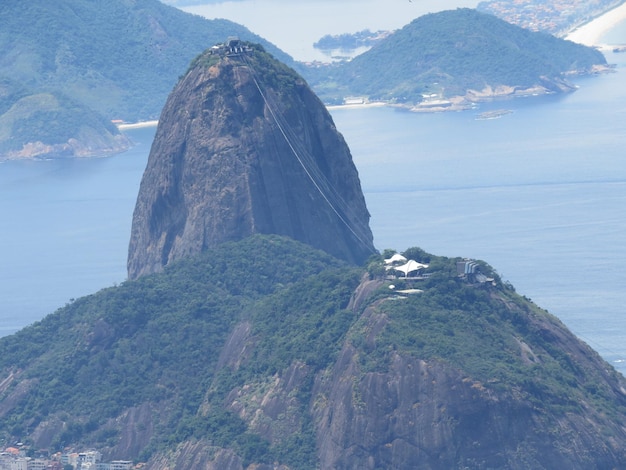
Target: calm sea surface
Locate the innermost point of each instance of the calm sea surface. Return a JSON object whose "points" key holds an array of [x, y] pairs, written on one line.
{"points": [[64, 229], [540, 194]]}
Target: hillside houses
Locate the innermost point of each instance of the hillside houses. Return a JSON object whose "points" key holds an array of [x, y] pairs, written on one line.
{"points": [[14, 458], [555, 17]]}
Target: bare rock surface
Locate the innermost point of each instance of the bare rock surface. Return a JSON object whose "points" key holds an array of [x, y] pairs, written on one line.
{"points": [[243, 147]]}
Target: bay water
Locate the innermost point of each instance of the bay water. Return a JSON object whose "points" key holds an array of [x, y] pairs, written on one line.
{"points": [[64, 229], [539, 193], [296, 26]]}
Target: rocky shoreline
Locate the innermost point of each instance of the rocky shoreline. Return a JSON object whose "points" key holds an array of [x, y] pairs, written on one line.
{"points": [[473, 97], [73, 148], [488, 94]]}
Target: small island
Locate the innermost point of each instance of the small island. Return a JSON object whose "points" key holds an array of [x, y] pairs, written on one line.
{"points": [[453, 59], [494, 114], [350, 43]]}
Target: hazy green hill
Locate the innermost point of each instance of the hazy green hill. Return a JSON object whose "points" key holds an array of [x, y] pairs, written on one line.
{"points": [[451, 52], [50, 124], [266, 350], [117, 58], [120, 58]]}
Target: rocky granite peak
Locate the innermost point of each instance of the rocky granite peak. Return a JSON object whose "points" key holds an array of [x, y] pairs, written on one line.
{"points": [[244, 146]]}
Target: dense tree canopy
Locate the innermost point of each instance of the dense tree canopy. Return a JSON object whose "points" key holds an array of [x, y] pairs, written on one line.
{"points": [[159, 341], [452, 51], [99, 60]]}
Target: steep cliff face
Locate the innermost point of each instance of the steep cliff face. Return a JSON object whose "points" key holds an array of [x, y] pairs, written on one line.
{"points": [[389, 402], [244, 146], [431, 414]]}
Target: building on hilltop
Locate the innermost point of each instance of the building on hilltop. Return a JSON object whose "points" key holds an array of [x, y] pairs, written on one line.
{"points": [[470, 270], [232, 46], [466, 267]]}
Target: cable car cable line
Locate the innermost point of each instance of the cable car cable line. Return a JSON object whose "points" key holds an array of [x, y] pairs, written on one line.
{"points": [[308, 164]]}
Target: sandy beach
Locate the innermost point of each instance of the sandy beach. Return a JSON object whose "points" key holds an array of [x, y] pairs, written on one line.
{"points": [[372, 104], [137, 125], [589, 34]]}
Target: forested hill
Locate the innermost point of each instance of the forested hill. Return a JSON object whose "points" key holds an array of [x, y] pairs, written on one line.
{"points": [[451, 53], [268, 352], [118, 59]]}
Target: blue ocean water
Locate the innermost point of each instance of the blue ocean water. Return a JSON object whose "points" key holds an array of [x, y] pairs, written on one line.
{"points": [[540, 194], [64, 229]]}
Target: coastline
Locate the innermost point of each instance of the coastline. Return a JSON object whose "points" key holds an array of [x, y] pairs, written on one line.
{"points": [[590, 33], [137, 125], [372, 104], [461, 102]]}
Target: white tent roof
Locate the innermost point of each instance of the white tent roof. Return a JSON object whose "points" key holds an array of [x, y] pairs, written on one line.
{"points": [[395, 259], [410, 266]]}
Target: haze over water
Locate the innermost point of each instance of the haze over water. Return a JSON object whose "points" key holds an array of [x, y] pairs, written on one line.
{"points": [[295, 26], [540, 194]]}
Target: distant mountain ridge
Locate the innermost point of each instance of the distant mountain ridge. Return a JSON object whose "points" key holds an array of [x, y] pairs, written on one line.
{"points": [[460, 56], [115, 60]]}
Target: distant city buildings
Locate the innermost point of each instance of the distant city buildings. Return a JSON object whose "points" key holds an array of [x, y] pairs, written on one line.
{"points": [[14, 458], [556, 17]]}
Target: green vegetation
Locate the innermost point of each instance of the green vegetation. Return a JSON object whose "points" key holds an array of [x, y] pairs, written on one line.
{"points": [[50, 118], [450, 52], [462, 325], [364, 38], [488, 332], [275, 75], [112, 60], [119, 58], [158, 341]]}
